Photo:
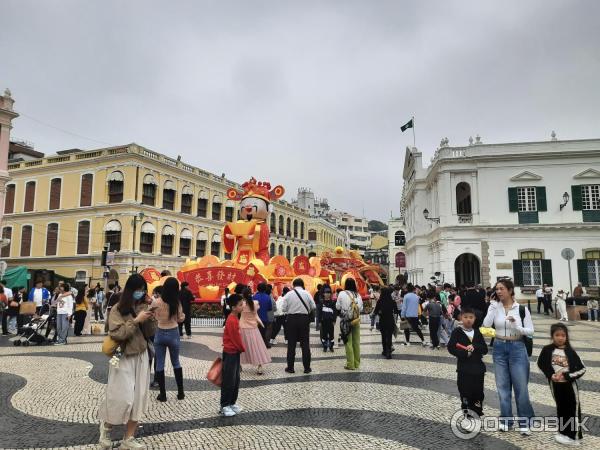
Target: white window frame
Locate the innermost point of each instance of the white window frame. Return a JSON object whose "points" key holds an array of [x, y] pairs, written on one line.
{"points": [[57, 238], [531, 269], [89, 237], [527, 199], [81, 185], [590, 197], [62, 184]]}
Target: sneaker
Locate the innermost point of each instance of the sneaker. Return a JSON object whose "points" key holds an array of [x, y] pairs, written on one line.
{"points": [[105, 441], [131, 444], [273, 341], [227, 411], [236, 409], [525, 431], [565, 440], [288, 370], [425, 344], [307, 371]]}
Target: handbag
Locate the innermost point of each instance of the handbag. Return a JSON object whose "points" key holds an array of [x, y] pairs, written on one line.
{"points": [[27, 309], [526, 339], [353, 314], [215, 373], [311, 312], [109, 346]]}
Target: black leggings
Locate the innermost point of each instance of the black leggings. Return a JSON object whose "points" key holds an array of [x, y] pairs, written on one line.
{"points": [[79, 321], [566, 396], [386, 339], [434, 326], [327, 338], [414, 324]]}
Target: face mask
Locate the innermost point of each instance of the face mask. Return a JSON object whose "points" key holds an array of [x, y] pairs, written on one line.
{"points": [[138, 295]]}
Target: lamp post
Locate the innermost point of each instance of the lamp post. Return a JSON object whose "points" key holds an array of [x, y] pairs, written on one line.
{"points": [[432, 219], [140, 216], [565, 200]]}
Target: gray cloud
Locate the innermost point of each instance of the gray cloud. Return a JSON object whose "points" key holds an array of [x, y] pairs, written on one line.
{"points": [[302, 93]]}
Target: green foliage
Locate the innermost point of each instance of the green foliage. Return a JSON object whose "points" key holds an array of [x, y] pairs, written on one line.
{"points": [[376, 225]]}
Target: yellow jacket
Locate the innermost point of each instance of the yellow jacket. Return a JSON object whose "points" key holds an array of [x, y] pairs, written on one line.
{"points": [[83, 306]]}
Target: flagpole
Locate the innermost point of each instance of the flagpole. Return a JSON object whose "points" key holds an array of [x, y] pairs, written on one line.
{"points": [[413, 128]]}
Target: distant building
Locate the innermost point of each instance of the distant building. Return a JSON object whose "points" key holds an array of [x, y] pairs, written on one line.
{"points": [[316, 207], [378, 253], [396, 248], [356, 230]]}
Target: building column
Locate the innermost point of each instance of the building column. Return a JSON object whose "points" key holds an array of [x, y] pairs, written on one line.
{"points": [[6, 116]]}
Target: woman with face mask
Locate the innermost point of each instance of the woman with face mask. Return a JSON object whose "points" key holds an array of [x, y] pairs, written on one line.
{"points": [[131, 323]]}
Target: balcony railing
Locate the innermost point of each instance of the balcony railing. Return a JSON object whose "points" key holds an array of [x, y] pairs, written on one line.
{"points": [[465, 218]]}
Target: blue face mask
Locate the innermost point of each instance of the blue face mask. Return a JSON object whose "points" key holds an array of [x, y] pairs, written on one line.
{"points": [[138, 295]]}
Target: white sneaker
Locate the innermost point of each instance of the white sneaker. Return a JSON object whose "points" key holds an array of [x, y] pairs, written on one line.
{"points": [[565, 440], [425, 344], [273, 341], [131, 444], [236, 409], [525, 431], [105, 441], [226, 411]]}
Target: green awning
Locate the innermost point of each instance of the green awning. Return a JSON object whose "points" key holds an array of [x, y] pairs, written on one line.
{"points": [[16, 277]]}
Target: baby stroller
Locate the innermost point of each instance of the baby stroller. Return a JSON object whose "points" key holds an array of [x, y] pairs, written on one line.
{"points": [[32, 332]]}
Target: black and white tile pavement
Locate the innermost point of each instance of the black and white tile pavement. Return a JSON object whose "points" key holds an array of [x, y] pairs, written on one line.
{"points": [[49, 398]]}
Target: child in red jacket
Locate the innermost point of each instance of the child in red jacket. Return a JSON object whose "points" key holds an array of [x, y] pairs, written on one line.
{"points": [[232, 347]]}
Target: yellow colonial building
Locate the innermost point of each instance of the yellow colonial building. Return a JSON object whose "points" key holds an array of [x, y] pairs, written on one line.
{"points": [[152, 210], [324, 236]]}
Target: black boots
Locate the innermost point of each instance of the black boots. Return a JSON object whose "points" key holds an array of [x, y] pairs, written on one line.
{"points": [[179, 380], [160, 377]]}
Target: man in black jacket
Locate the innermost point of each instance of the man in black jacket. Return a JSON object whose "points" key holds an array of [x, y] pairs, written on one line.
{"points": [[468, 345], [186, 298]]}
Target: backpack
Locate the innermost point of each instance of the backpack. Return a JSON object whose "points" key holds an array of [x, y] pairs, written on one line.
{"points": [[353, 314]]}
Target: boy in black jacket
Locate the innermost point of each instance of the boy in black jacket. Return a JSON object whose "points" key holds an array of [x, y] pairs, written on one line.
{"points": [[468, 345]]}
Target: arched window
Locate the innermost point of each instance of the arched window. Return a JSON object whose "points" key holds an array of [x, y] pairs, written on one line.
{"points": [[51, 239], [87, 185], [29, 196], [295, 251], [9, 199], [281, 224], [201, 239], [399, 238], [147, 234], [166, 240], [169, 196], [6, 234], [116, 182], [149, 190], [55, 188], [288, 227], [187, 198], [202, 204], [112, 235], [280, 250], [295, 228], [273, 223], [185, 242], [217, 204], [301, 230], [272, 250], [463, 198], [26, 233], [215, 245], [288, 253], [83, 237], [312, 235], [302, 251]]}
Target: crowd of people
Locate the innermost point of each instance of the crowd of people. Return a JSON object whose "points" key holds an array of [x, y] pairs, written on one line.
{"points": [[144, 325]]}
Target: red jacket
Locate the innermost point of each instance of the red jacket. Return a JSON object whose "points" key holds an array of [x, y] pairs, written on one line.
{"points": [[232, 339]]}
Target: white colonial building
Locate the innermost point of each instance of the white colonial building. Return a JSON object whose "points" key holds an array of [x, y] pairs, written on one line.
{"points": [[396, 248], [483, 211]]}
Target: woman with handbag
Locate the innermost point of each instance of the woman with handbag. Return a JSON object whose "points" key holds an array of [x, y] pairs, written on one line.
{"points": [[256, 350], [350, 305], [169, 314], [130, 324]]}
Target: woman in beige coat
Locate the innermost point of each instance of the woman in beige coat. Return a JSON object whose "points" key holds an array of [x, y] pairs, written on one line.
{"points": [[130, 324]]}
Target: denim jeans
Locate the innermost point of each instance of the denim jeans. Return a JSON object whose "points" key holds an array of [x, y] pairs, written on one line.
{"points": [[511, 367], [62, 328], [164, 339]]}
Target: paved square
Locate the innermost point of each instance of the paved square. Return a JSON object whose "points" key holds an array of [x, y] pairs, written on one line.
{"points": [[49, 398]]}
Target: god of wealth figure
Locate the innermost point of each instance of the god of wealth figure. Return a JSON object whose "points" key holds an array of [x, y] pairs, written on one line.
{"points": [[250, 234]]}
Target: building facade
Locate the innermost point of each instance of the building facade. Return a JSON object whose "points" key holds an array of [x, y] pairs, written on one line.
{"points": [[323, 236], [356, 230], [482, 212], [396, 248], [151, 210]]}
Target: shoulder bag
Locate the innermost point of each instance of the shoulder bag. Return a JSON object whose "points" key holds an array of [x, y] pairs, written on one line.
{"points": [[528, 340], [353, 314], [311, 312]]}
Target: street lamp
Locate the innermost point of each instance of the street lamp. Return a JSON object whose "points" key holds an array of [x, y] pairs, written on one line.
{"points": [[432, 219], [140, 216], [565, 200]]}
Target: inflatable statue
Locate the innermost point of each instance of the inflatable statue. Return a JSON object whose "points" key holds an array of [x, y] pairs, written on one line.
{"points": [[248, 238]]}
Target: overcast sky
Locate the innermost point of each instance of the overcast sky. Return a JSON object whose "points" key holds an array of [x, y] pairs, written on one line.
{"points": [[301, 93]]}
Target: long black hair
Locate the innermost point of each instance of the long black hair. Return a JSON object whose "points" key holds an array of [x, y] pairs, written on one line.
{"points": [[170, 295], [80, 295], [560, 327], [386, 295], [247, 295], [135, 282], [350, 285]]}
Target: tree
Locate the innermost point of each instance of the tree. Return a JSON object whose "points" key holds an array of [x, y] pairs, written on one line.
{"points": [[376, 225]]}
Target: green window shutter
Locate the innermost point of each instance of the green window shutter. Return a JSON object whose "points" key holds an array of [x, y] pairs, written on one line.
{"points": [[576, 198], [518, 272], [582, 272], [547, 272], [528, 217], [513, 200], [540, 193]]}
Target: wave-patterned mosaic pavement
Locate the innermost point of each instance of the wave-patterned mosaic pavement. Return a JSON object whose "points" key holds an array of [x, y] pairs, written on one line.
{"points": [[49, 398]]}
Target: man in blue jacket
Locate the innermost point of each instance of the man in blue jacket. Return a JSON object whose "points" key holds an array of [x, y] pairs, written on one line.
{"points": [[39, 295]]}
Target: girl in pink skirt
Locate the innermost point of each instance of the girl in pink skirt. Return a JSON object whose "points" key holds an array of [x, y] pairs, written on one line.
{"points": [[256, 351]]}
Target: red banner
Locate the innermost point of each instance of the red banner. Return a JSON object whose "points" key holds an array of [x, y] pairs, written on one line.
{"points": [[213, 276], [400, 260]]}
